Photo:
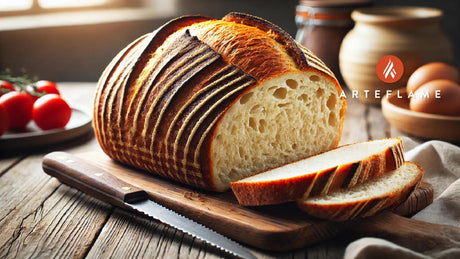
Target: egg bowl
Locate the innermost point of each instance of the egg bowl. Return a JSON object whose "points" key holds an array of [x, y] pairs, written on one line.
{"points": [[395, 109]]}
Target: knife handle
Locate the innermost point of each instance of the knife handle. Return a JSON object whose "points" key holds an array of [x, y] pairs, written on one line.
{"points": [[91, 179]]}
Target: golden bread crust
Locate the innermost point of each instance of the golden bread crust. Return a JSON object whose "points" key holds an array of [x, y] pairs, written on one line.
{"points": [[248, 48], [363, 207]]}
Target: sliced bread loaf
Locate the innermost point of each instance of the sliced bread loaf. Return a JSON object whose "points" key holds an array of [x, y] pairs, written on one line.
{"points": [[206, 102], [343, 167], [365, 199]]}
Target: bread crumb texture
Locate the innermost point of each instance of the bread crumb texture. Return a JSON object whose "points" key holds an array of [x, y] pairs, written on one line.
{"points": [[363, 152], [281, 120]]}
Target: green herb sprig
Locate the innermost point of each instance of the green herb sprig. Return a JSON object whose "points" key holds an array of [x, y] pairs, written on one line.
{"points": [[24, 82]]}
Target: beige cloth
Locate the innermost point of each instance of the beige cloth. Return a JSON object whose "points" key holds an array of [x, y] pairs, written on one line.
{"points": [[441, 162]]}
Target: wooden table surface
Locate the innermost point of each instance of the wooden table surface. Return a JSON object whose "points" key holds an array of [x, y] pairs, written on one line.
{"points": [[42, 218]]}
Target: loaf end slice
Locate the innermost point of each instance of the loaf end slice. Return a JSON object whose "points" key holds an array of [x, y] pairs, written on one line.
{"points": [[366, 199], [342, 167]]}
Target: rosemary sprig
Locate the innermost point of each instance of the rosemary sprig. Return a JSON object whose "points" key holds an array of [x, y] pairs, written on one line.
{"points": [[24, 82], [21, 81]]}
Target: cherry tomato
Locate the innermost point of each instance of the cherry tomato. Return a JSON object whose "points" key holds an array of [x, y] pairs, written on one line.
{"points": [[47, 87], [6, 87], [4, 120], [51, 111], [43, 87], [19, 108]]}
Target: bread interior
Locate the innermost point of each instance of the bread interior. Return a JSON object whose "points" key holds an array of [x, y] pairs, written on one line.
{"points": [[278, 121], [343, 155]]}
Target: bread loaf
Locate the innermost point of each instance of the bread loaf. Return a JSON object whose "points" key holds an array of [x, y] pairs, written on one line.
{"points": [[206, 102], [366, 199], [343, 167]]}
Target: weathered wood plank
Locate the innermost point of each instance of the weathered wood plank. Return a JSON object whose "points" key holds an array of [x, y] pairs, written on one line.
{"points": [[22, 183], [42, 218], [8, 162], [127, 235], [377, 125], [79, 94], [354, 128]]}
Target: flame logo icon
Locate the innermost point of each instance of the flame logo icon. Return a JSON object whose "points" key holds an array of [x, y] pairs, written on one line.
{"points": [[389, 69]]}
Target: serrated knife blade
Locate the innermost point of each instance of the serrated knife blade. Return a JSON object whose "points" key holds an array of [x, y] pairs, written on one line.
{"points": [[102, 185]]}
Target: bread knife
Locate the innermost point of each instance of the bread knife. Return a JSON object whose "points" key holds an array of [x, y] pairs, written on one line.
{"points": [[101, 184]]}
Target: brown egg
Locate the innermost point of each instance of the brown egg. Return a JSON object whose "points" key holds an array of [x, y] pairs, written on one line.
{"points": [[430, 72], [438, 96]]}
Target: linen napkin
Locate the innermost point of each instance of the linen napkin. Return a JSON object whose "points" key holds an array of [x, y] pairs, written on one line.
{"points": [[441, 162]]}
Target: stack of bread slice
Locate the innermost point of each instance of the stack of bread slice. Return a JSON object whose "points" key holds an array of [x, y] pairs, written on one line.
{"points": [[350, 181]]}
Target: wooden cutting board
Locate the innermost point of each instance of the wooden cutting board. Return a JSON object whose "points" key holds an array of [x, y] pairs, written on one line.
{"points": [[276, 228]]}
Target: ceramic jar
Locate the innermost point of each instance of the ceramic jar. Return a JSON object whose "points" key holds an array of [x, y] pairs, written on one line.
{"points": [[412, 34], [322, 24]]}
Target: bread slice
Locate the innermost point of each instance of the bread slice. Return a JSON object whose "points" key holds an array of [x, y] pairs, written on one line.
{"points": [[366, 199], [205, 102], [343, 167]]}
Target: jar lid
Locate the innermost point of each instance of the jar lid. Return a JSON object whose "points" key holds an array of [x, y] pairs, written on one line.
{"points": [[334, 3], [327, 12], [396, 14]]}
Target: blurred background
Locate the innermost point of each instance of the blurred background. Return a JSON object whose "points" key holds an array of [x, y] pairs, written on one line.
{"points": [[73, 40]]}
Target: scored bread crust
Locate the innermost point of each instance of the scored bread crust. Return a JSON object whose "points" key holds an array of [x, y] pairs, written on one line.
{"points": [[266, 192], [364, 207], [159, 102]]}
